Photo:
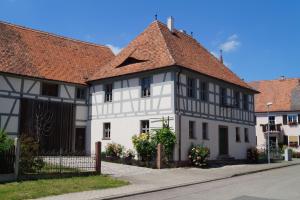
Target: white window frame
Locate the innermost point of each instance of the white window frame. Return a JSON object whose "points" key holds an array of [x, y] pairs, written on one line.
{"points": [[145, 129], [106, 131], [294, 118]]}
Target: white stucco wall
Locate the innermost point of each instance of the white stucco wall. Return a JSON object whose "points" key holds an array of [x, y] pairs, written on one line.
{"points": [[235, 149]]}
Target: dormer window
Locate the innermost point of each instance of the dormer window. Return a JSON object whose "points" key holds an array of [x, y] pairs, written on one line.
{"points": [[145, 84]]}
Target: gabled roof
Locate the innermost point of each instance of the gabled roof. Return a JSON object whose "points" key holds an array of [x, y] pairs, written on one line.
{"points": [[283, 93], [38, 54], [158, 47]]}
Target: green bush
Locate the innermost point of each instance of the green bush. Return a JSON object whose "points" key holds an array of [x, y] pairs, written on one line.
{"points": [[167, 139], [252, 154], [114, 150], [5, 142], [296, 154], [29, 160], [129, 154], [198, 155], [144, 146]]}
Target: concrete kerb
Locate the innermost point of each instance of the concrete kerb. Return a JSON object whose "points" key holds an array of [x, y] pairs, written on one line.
{"points": [[194, 183]]}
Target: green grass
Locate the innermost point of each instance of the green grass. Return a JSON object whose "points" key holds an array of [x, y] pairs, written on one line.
{"points": [[47, 187]]}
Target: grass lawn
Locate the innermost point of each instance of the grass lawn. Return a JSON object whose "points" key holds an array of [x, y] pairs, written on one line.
{"points": [[47, 187]]}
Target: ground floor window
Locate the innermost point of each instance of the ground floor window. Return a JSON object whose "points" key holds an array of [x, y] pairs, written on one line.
{"points": [[145, 126], [191, 129], [293, 141], [246, 135], [237, 134], [204, 131], [106, 131]]}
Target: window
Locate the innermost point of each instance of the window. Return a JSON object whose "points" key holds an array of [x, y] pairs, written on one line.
{"points": [[146, 82], [203, 91], [190, 87], [246, 135], [204, 131], [272, 120], [50, 89], [145, 126], [236, 100], [191, 129], [106, 131], [292, 119], [245, 102], [108, 93], [293, 141], [80, 93], [223, 97], [237, 134]]}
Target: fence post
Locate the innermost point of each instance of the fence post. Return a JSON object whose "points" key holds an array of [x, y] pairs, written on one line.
{"points": [[159, 156], [98, 157], [17, 157]]}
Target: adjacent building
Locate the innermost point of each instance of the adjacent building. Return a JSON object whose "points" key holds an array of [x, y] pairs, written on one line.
{"points": [[96, 96], [284, 113]]}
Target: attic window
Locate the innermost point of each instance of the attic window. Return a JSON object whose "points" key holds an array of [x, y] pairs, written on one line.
{"points": [[129, 61]]}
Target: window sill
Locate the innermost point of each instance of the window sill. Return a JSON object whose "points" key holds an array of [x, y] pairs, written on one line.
{"points": [[106, 139], [205, 139], [193, 138], [146, 96]]}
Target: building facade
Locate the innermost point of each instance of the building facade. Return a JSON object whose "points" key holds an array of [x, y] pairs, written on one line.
{"points": [[162, 73], [284, 115]]}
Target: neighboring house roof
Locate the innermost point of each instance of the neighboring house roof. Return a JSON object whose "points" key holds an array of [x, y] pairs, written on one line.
{"points": [[283, 93], [158, 47], [28, 52]]}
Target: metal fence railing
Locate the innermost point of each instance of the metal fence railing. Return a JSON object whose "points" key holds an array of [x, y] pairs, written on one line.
{"points": [[7, 159]]}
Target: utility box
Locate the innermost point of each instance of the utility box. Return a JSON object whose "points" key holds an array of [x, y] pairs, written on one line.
{"points": [[288, 154]]}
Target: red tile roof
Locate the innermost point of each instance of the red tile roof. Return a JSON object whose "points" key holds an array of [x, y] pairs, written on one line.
{"points": [[158, 47], [283, 93], [38, 54]]}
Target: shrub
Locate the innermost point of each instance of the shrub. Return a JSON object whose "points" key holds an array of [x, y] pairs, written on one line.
{"points": [[252, 154], [198, 155], [129, 154], [296, 154], [5, 142], [145, 146], [167, 138], [29, 160], [114, 150]]}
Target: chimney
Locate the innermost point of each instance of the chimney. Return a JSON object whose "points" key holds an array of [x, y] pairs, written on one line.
{"points": [[170, 23], [221, 56]]}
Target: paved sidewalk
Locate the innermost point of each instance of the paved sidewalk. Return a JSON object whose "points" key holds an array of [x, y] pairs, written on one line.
{"points": [[147, 180]]}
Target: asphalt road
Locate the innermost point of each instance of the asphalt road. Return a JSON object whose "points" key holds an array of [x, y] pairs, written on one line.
{"points": [[276, 184]]}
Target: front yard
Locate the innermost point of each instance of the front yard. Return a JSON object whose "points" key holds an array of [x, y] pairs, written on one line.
{"points": [[47, 187]]}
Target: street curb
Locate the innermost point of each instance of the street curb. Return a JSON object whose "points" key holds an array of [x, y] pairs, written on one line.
{"points": [[193, 183]]}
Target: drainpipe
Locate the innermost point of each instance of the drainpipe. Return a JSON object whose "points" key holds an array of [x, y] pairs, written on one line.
{"points": [[178, 112]]}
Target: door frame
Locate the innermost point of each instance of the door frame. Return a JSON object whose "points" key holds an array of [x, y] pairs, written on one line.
{"points": [[219, 142]]}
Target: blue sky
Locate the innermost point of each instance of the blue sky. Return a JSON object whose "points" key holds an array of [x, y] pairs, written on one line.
{"points": [[260, 38]]}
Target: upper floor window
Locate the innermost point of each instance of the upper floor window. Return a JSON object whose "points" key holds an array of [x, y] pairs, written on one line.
{"points": [[292, 119], [237, 134], [191, 129], [80, 93], [246, 135], [204, 131], [146, 83], [50, 89], [272, 120], [108, 92], [223, 97], [106, 131], [145, 126], [245, 101], [190, 87], [203, 91], [236, 100]]}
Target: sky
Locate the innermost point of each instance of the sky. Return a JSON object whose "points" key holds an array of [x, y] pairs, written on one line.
{"points": [[260, 39]]}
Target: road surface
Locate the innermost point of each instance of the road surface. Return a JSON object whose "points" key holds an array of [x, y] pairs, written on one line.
{"points": [[276, 184]]}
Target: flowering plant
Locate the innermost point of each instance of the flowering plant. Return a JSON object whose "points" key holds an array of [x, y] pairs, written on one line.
{"points": [[198, 155], [129, 154], [114, 150], [144, 145]]}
